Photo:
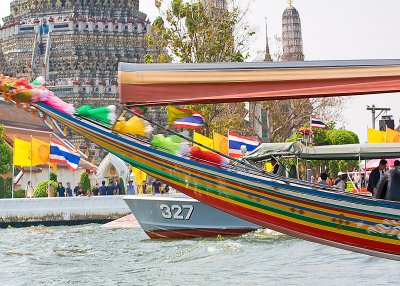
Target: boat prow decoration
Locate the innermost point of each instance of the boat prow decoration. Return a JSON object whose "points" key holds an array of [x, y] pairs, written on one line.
{"points": [[297, 208]]}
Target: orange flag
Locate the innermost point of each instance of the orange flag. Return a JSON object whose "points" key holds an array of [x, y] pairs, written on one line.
{"points": [[220, 143], [40, 152], [392, 136]]}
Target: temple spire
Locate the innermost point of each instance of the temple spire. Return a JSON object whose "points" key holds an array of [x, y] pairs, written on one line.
{"points": [[267, 57], [291, 35]]}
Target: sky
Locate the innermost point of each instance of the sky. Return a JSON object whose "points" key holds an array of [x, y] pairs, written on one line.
{"points": [[332, 30]]}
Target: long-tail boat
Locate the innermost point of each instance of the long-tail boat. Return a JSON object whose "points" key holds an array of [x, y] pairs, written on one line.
{"points": [[293, 207]]}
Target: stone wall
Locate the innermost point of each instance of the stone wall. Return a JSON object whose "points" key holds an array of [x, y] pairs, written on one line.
{"points": [[59, 211]]}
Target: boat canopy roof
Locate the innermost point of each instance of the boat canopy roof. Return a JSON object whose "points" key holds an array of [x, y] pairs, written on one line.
{"points": [[352, 152], [162, 84], [329, 152], [266, 151]]}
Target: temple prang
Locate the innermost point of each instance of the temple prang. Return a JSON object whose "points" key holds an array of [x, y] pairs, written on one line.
{"points": [[75, 44]]}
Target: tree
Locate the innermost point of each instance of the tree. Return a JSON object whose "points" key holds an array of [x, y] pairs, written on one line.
{"points": [[122, 186], [341, 136], [222, 117], [286, 117], [198, 32], [53, 177], [5, 154], [85, 182], [41, 189]]}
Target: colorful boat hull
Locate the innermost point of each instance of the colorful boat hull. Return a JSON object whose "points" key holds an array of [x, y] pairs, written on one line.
{"points": [[342, 220], [180, 216]]}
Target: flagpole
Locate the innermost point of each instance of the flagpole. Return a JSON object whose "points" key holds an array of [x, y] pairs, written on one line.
{"points": [[227, 136], [12, 177], [48, 187], [386, 135], [30, 167]]}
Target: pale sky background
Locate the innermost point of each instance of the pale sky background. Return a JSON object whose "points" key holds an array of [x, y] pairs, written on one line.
{"points": [[332, 29]]}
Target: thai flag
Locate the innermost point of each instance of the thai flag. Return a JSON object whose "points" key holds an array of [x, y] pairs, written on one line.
{"points": [[195, 121], [236, 142], [61, 154], [317, 123]]}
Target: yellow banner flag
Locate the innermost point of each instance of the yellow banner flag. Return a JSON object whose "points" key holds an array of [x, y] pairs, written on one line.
{"points": [[22, 153], [40, 152], [220, 143], [376, 136], [392, 136], [197, 137], [139, 175]]}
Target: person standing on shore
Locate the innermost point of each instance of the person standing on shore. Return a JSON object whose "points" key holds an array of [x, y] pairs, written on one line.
{"points": [[103, 189], [96, 190], [69, 190], [29, 190], [60, 190], [131, 188], [76, 189], [117, 186], [156, 185], [110, 188], [144, 187]]}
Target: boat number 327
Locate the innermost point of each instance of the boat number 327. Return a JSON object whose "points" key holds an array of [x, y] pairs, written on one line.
{"points": [[176, 211]]}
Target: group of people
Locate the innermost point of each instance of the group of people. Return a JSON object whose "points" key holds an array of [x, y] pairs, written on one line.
{"points": [[113, 188], [158, 188], [359, 179], [155, 186], [67, 191]]}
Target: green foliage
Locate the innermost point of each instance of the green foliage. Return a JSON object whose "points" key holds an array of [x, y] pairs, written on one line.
{"points": [[53, 177], [329, 136], [148, 59], [85, 182], [341, 136], [1, 185], [19, 194], [121, 183], [222, 117], [5, 154], [191, 33], [5, 188], [41, 189]]}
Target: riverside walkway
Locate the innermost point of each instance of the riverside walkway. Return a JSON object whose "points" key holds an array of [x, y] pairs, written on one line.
{"points": [[61, 211]]}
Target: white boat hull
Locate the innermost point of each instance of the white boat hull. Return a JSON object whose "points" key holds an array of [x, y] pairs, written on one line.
{"points": [[179, 216]]}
